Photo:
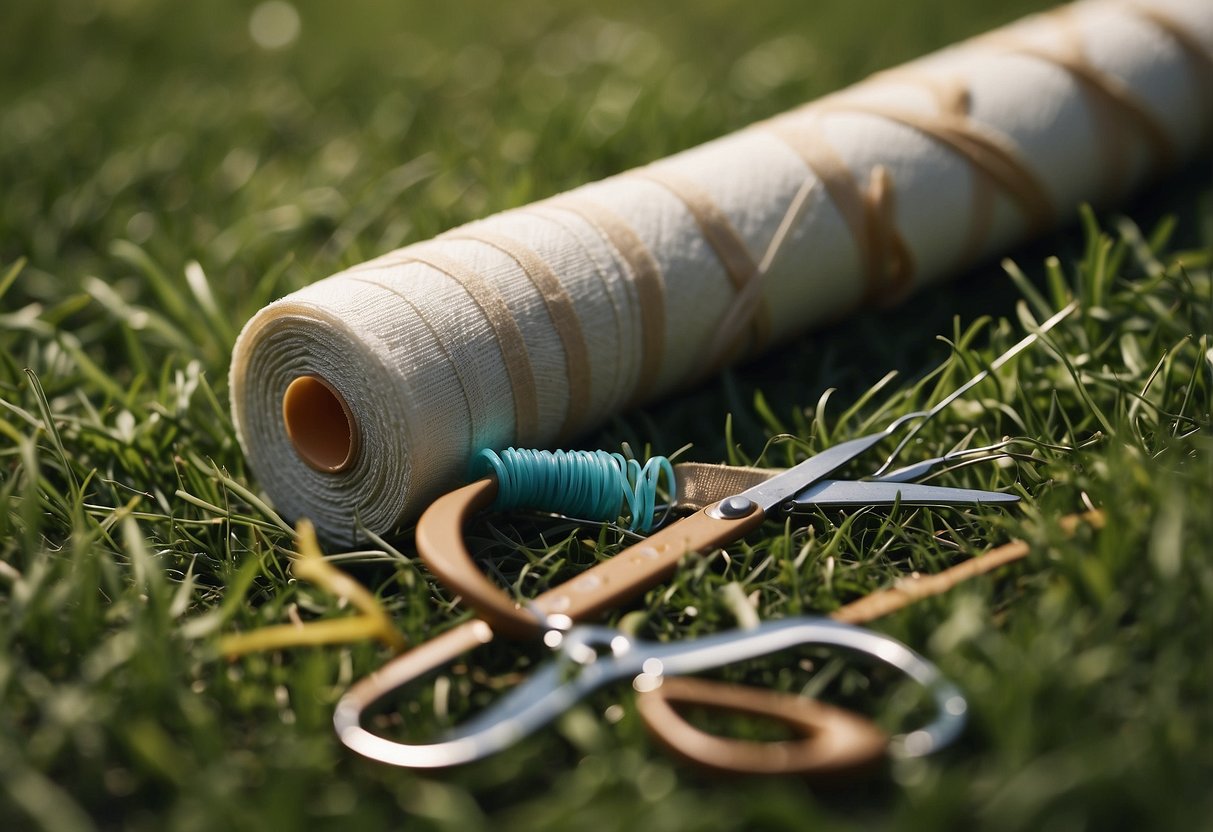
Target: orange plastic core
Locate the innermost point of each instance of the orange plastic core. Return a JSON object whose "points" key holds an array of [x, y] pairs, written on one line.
{"points": [[320, 424]]}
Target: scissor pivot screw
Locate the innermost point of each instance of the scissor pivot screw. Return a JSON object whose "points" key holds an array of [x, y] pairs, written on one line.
{"points": [[732, 508]]}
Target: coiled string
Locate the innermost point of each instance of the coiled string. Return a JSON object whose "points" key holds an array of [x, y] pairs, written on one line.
{"points": [[594, 485]]}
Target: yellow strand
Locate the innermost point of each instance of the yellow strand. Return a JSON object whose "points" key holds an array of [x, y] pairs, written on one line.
{"points": [[309, 565]]}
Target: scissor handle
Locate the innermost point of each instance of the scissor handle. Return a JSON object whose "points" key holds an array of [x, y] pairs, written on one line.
{"points": [[832, 740], [608, 584]]}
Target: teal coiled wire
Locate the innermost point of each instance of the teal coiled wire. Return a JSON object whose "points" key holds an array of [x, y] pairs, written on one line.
{"points": [[594, 485]]}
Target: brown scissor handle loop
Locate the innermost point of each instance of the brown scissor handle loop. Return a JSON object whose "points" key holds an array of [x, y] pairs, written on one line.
{"points": [[635, 569], [834, 741], [440, 544]]}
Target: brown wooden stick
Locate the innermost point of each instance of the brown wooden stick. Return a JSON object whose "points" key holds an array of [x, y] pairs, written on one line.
{"points": [[911, 589]]}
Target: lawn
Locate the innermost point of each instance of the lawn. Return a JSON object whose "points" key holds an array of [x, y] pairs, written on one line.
{"points": [[168, 168]]}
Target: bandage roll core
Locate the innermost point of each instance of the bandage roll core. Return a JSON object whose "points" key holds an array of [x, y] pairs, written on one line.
{"points": [[360, 398], [320, 424]]}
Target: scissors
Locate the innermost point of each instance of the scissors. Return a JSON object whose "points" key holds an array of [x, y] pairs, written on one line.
{"points": [[833, 740], [612, 582], [589, 657]]}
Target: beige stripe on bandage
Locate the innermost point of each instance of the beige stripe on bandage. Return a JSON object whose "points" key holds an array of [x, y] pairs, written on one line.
{"points": [[720, 234], [646, 277], [987, 152], [954, 99], [896, 260], [563, 313], [513, 346], [1114, 105], [1200, 60], [615, 382], [460, 367], [887, 265]]}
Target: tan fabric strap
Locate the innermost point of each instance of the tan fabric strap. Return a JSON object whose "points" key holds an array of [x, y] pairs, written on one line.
{"points": [[563, 314], [699, 484]]}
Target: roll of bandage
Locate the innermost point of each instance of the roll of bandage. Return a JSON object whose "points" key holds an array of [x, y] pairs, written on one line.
{"points": [[361, 397]]}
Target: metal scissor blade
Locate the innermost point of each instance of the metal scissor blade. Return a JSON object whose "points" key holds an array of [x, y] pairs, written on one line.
{"points": [[877, 493], [782, 486]]}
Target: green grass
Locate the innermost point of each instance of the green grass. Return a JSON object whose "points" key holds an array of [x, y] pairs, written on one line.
{"points": [[161, 178]]}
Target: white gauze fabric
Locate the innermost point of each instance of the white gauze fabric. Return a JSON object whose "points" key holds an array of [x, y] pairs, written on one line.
{"points": [[532, 325]]}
